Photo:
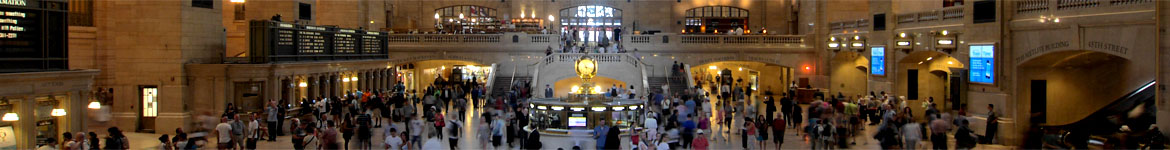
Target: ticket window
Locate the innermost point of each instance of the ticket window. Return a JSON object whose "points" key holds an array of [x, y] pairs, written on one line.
{"points": [[47, 125]]}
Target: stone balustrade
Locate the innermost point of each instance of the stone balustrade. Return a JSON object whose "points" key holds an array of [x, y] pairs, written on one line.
{"points": [[541, 42], [1039, 6]]}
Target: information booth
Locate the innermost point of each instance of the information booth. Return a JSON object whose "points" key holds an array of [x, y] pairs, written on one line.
{"points": [[583, 112]]}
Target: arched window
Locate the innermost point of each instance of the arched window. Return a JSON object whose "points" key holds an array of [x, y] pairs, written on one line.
{"points": [[711, 18], [592, 20], [461, 17]]}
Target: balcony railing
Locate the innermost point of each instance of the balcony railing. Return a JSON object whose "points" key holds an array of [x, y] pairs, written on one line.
{"points": [[1035, 6], [949, 13], [540, 42], [849, 24]]}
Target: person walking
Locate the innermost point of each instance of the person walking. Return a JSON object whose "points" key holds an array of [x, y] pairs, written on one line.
{"points": [[614, 140], [762, 132], [253, 132], [778, 127], [455, 129], [938, 132], [393, 141], [911, 134], [688, 132]]}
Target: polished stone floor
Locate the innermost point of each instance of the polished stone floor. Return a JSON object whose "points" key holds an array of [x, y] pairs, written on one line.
{"points": [[551, 142]]}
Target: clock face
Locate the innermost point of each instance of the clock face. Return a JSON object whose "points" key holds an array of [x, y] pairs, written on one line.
{"points": [[586, 68]]}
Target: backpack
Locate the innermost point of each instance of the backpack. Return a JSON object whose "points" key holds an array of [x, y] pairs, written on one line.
{"points": [[439, 121]]}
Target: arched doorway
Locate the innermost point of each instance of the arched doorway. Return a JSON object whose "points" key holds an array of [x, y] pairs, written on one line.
{"points": [[849, 75], [422, 74], [925, 75], [709, 19], [592, 22], [1067, 86]]}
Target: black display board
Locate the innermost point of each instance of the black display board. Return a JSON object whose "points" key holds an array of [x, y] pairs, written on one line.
{"points": [[33, 36], [273, 41]]}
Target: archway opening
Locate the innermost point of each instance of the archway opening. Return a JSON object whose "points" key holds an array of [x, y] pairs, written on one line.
{"points": [[591, 23], [1068, 86], [849, 75], [418, 76], [925, 76], [466, 18]]}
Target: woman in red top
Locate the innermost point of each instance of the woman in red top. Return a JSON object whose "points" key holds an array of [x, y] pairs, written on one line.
{"points": [[700, 142]]}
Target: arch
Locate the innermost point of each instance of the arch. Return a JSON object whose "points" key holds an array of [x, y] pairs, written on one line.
{"points": [[849, 74], [765, 60], [945, 62], [1078, 82]]}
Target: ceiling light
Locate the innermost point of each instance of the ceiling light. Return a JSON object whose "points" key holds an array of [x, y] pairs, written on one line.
{"points": [[57, 112], [920, 63], [855, 37], [903, 43], [558, 108], [11, 117], [95, 105], [303, 84], [436, 15], [944, 32]]}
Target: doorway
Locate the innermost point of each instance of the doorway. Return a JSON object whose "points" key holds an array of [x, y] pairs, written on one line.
{"points": [[149, 109], [1039, 100]]}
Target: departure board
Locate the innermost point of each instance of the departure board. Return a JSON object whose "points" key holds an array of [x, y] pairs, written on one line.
{"points": [[32, 36], [371, 44], [282, 41]]}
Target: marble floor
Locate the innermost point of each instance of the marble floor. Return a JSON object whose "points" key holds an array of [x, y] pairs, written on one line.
{"points": [[553, 142]]}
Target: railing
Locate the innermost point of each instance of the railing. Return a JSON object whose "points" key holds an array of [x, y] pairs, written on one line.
{"points": [[700, 39], [849, 24], [1029, 6], [639, 39], [739, 39], [948, 13], [540, 38], [1034, 6]]}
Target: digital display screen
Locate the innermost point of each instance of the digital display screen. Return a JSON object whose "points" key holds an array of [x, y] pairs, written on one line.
{"points": [[577, 121], [877, 62], [20, 35], [982, 63]]}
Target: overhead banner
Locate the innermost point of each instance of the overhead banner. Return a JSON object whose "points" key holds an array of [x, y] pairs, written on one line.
{"points": [[877, 63], [982, 63]]}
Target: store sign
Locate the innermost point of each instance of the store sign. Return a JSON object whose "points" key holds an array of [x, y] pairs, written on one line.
{"points": [[982, 63], [877, 63]]}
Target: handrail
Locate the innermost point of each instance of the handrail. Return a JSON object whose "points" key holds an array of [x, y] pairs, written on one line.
{"points": [[1035, 6], [491, 79]]}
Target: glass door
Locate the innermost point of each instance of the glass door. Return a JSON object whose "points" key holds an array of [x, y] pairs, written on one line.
{"points": [[149, 108]]}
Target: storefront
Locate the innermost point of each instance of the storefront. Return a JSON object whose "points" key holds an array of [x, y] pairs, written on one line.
{"points": [[41, 105]]}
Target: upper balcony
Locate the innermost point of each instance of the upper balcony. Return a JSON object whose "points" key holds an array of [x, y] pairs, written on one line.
{"points": [[512, 42]]}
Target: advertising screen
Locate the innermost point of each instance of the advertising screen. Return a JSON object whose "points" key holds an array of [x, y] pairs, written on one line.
{"points": [[983, 63], [577, 121], [877, 62]]}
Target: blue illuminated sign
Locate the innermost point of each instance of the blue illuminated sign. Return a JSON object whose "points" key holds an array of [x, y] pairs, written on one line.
{"points": [[983, 63], [877, 63]]}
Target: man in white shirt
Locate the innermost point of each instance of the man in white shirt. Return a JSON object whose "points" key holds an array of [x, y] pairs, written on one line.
{"points": [[253, 132], [223, 132], [393, 142], [416, 127]]}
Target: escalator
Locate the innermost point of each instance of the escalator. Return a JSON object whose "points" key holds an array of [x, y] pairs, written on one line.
{"points": [[1135, 110]]}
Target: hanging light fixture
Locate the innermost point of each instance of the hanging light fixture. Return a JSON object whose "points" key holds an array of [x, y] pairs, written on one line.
{"points": [[353, 78], [95, 105], [11, 117], [57, 112]]}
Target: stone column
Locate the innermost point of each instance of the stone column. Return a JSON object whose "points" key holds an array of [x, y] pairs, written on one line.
{"points": [[24, 107]]}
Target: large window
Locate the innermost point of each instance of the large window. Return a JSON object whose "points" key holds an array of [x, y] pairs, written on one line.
{"points": [[593, 22], [715, 18], [149, 101], [470, 17]]}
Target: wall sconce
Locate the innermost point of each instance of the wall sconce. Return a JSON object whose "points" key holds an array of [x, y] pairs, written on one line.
{"points": [[551, 18], [945, 42], [344, 79], [436, 16], [303, 84], [597, 108], [353, 79], [95, 105], [57, 112], [11, 117]]}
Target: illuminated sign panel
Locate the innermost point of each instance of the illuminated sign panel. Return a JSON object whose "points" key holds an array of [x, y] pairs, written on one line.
{"points": [[31, 37], [280, 41], [983, 63], [877, 63]]}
